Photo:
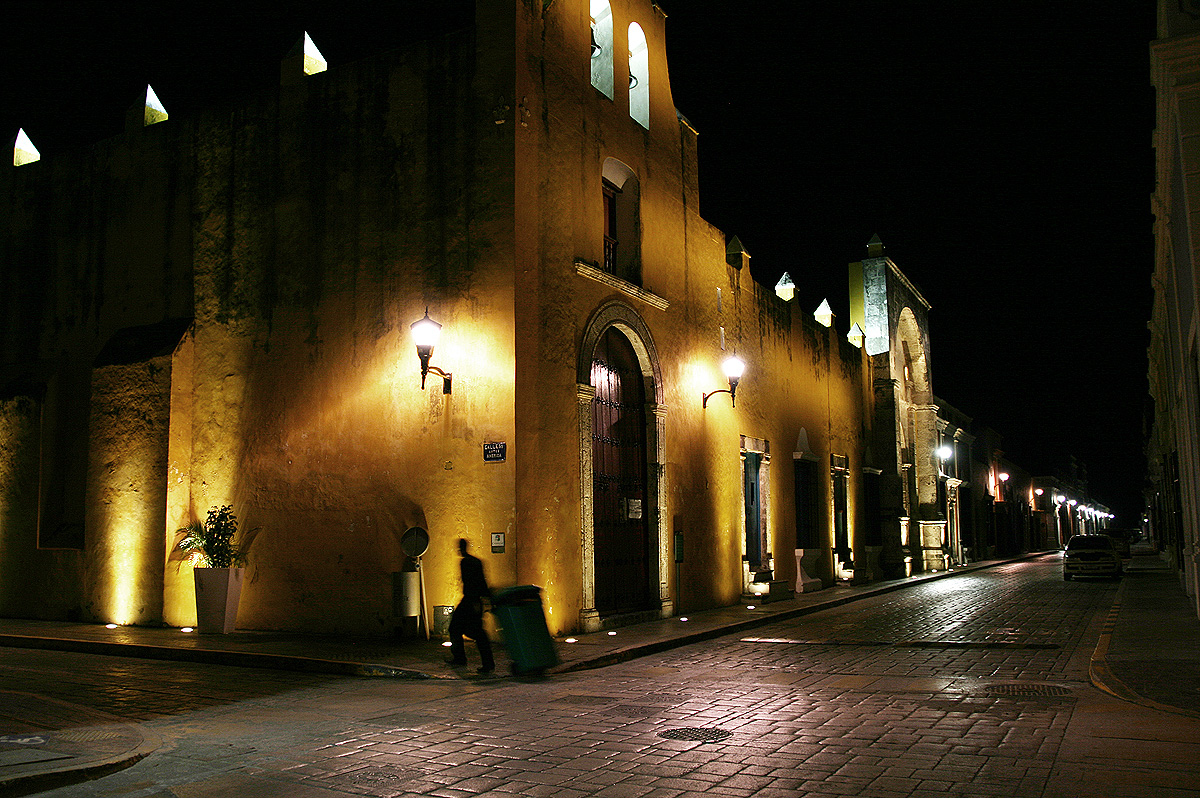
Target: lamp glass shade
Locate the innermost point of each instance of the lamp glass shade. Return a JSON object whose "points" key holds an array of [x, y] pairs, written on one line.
{"points": [[733, 367], [425, 332], [944, 452]]}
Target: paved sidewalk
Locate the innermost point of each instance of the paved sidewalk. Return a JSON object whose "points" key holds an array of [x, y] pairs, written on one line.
{"points": [[1149, 653]]}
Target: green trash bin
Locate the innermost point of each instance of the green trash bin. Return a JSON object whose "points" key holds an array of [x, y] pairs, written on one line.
{"points": [[523, 624]]}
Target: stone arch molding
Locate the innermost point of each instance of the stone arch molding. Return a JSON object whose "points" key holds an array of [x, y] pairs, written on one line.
{"points": [[912, 351], [616, 313], [622, 316]]}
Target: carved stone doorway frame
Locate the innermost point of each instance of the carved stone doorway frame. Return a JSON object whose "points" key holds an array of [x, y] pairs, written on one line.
{"points": [[630, 323]]}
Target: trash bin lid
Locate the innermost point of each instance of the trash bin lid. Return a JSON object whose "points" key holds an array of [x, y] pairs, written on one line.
{"points": [[512, 595]]}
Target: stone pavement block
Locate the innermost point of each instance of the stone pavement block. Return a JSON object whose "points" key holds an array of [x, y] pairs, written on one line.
{"points": [[250, 787], [947, 772], [852, 770], [897, 783], [845, 786], [935, 786]]}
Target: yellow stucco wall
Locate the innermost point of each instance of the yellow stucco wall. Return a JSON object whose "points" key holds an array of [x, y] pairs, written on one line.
{"points": [[320, 219]]}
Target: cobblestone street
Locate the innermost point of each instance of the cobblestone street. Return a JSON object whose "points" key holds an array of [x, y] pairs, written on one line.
{"points": [[972, 685]]}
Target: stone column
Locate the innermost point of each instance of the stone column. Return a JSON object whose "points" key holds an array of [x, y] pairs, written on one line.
{"points": [[933, 550], [656, 472], [589, 617]]}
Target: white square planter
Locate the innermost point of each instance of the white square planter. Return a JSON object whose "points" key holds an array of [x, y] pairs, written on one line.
{"points": [[218, 591]]}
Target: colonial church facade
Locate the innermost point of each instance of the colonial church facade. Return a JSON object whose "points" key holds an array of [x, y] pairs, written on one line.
{"points": [[217, 310]]}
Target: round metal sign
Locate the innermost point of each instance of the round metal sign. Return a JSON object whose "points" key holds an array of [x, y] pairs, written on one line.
{"points": [[414, 542]]}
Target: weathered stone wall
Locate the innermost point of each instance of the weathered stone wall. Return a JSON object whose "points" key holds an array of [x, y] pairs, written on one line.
{"points": [[127, 492], [328, 218]]}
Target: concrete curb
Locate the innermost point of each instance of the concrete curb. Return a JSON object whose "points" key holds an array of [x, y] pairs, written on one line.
{"points": [[645, 649], [50, 776], [285, 662], [244, 659]]}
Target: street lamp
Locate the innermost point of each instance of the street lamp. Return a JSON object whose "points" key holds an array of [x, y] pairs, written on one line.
{"points": [[733, 368], [425, 332]]}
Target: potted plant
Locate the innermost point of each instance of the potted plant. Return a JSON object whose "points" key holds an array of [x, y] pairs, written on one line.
{"points": [[218, 571]]}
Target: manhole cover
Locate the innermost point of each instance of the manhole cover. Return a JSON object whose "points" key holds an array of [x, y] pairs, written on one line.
{"points": [[696, 735], [1027, 689]]}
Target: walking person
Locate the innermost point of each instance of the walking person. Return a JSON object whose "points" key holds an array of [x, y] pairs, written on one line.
{"points": [[467, 618]]}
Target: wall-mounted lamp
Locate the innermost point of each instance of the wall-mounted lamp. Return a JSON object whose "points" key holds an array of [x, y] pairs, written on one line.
{"points": [[425, 334], [944, 452], [1004, 476], [733, 368], [1038, 491]]}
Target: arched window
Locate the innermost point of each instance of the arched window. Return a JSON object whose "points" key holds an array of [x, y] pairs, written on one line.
{"points": [[639, 76], [602, 47], [622, 222]]}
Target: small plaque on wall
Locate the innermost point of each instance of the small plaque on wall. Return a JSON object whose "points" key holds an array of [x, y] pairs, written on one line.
{"points": [[495, 452]]}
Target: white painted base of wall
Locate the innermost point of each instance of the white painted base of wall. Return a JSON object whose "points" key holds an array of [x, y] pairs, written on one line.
{"points": [[804, 582]]}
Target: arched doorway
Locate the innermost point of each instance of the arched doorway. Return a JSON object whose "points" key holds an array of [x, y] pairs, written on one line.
{"points": [[620, 518], [621, 422]]}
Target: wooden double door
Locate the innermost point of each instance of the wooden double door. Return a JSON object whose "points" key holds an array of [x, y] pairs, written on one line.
{"points": [[624, 562]]}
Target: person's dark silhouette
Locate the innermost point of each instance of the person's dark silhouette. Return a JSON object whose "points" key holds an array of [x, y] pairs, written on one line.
{"points": [[467, 618]]}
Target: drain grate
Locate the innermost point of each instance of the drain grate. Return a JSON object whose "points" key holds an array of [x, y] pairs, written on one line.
{"points": [[630, 711], [696, 735], [378, 776], [1027, 689], [87, 736], [981, 644], [585, 700]]}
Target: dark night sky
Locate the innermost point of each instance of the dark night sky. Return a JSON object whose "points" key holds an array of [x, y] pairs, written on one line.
{"points": [[1000, 150]]}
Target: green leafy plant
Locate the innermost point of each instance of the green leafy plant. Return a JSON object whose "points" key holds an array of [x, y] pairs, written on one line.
{"points": [[210, 543]]}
